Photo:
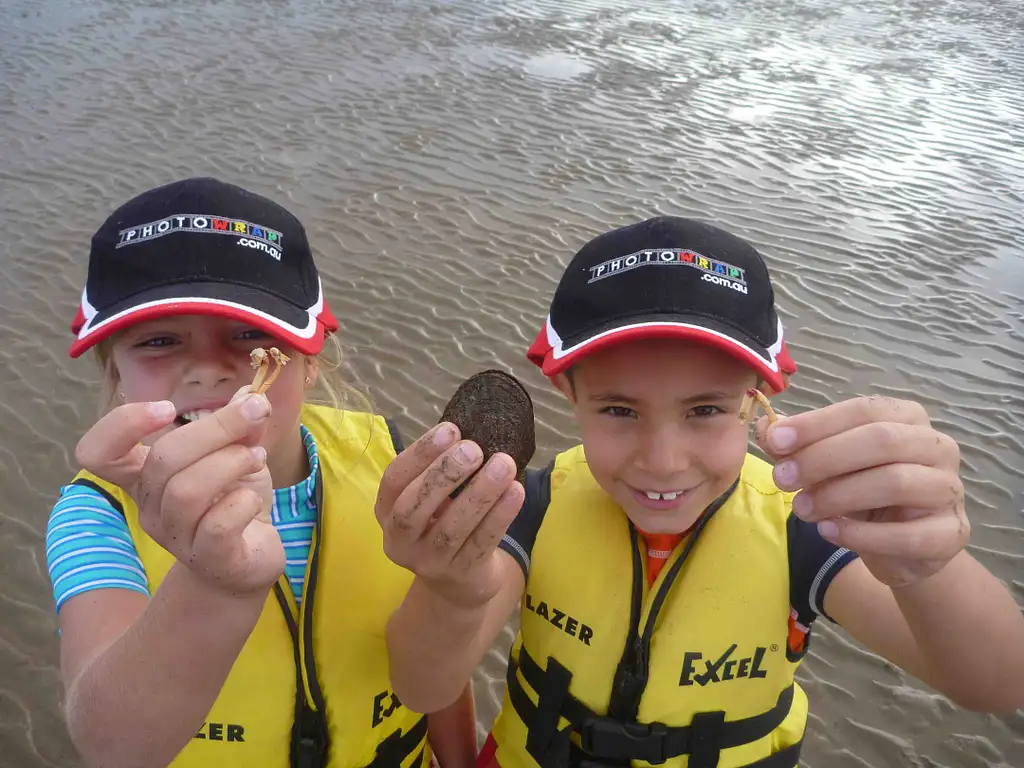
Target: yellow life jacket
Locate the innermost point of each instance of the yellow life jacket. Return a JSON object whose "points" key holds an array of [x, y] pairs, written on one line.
{"points": [[694, 671], [310, 688]]}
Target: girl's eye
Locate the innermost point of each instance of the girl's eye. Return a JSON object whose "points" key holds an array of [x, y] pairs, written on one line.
{"points": [[156, 341], [705, 411], [619, 411], [253, 334]]}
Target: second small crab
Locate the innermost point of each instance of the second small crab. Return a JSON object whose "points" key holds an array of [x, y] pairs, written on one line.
{"points": [[750, 400], [261, 362]]}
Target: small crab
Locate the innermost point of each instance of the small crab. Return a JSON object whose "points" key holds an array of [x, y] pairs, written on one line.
{"points": [[261, 362], [748, 405]]}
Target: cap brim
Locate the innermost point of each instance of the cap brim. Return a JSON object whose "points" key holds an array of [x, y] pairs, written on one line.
{"points": [[301, 329], [554, 355]]}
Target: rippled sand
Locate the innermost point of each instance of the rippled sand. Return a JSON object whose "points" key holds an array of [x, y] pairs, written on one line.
{"points": [[449, 157]]}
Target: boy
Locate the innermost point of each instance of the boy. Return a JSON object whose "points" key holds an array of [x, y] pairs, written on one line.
{"points": [[668, 579]]}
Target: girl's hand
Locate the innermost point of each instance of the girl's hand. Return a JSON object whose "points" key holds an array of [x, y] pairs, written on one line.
{"points": [[878, 479], [199, 488]]}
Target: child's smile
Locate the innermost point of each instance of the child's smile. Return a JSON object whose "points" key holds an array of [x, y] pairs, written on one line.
{"points": [[199, 363], [660, 426], [187, 415], [662, 501]]}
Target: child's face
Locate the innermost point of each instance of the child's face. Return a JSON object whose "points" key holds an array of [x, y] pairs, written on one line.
{"points": [[662, 416], [199, 362]]}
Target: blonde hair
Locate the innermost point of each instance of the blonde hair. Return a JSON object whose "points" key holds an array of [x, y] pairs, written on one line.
{"points": [[103, 354], [340, 393], [331, 389]]}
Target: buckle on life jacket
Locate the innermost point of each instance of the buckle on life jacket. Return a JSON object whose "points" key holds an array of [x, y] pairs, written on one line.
{"points": [[309, 740], [606, 741], [615, 740], [309, 753]]}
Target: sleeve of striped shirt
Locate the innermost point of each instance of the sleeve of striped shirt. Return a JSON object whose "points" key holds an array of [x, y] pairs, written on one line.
{"points": [[89, 546]]}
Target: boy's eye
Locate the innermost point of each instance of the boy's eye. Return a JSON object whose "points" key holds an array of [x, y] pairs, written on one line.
{"points": [[704, 411], [619, 411]]}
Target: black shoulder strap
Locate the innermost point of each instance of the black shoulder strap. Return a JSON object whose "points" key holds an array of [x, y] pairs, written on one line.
{"points": [[102, 492], [396, 436], [522, 531], [538, 492]]}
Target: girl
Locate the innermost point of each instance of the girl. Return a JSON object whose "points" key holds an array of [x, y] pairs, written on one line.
{"points": [[219, 576]]}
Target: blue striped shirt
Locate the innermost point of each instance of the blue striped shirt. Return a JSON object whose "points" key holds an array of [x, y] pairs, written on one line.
{"points": [[89, 546]]}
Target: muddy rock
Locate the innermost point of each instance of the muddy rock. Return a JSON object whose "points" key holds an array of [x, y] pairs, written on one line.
{"points": [[494, 410]]}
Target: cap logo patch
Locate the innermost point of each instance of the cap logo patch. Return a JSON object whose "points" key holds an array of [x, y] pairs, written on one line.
{"points": [[252, 235], [715, 271]]}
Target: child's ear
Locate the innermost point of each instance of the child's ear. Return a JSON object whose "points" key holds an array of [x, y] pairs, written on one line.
{"points": [[564, 385], [312, 372], [767, 389]]}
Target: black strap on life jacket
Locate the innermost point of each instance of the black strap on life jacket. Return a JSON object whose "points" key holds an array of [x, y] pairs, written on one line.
{"points": [[87, 483], [617, 738], [310, 739], [606, 741], [310, 746], [632, 672]]}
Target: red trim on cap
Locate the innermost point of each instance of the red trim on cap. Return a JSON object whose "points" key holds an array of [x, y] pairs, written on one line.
{"points": [[327, 319], [541, 353], [326, 322], [79, 321]]}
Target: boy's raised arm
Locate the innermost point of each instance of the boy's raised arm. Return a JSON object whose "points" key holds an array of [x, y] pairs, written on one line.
{"points": [[919, 627], [877, 478], [465, 587]]}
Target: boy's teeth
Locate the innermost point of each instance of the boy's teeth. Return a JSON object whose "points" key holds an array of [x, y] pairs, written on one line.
{"points": [[659, 496]]}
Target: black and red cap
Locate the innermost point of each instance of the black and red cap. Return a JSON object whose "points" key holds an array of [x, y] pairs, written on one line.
{"points": [[202, 246], [666, 277]]}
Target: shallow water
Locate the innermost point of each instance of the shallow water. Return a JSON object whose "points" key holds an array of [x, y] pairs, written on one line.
{"points": [[448, 158]]}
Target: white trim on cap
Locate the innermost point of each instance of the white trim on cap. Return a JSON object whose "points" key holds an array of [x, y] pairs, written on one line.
{"points": [[557, 351], [88, 310], [776, 348], [306, 332]]}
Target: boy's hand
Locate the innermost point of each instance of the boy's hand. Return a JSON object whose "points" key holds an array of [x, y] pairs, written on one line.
{"points": [[451, 544], [198, 488], [878, 479]]}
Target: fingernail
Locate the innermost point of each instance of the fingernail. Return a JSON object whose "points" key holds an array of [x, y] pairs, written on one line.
{"points": [[444, 436], [163, 410], [802, 506], [787, 475], [241, 392], [256, 407], [261, 454], [497, 469], [828, 530], [782, 438], [467, 454]]}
